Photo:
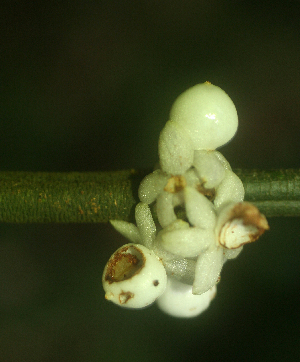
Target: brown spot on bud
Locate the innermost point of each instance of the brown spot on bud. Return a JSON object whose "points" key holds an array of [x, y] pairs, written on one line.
{"points": [[175, 184], [125, 296]]}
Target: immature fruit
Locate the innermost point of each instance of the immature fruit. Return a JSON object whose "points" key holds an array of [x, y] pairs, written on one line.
{"points": [[134, 277]]}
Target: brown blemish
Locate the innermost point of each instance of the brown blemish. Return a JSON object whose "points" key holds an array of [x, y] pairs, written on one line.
{"points": [[125, 296], [250, 215], [180, 212], [124, 264], [209, 193], [175, 184], [155, 283]]}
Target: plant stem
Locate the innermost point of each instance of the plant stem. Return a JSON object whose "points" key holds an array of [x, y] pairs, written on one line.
{"points": [[41, 197]]}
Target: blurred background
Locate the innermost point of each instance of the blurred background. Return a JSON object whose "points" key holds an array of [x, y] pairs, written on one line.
{"points": [[87, 86]]}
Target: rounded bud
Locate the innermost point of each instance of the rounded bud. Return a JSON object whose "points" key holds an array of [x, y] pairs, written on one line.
{"points": [[207, 114], [134, 277], [179, 301]]}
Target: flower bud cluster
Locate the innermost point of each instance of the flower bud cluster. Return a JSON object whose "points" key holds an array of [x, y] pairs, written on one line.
{"points": [[202, 219]]}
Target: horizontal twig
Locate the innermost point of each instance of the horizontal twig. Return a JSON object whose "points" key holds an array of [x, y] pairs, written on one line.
{"points": [[41, 197]]}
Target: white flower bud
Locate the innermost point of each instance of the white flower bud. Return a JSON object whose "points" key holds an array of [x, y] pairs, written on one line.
{"points": [[203, 117], [231, 189], [152, 185], [191, 178], [207, 114], [223, 160], [145, 224], [199, 210], [134, 277], [179, 301], [175, 149], [127, 229], [208, 268], [181, 269], [209, 168], [187, 242], [165, 209]]}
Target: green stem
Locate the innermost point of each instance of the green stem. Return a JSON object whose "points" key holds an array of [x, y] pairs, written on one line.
{"points": [[40, 197], [274, 192]]}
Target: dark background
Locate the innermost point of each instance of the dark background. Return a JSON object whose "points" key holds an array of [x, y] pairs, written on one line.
{"points": [[87, 86]]}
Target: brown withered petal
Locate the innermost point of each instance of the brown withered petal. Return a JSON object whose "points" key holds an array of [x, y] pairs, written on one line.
{"points": [[240, 224]]}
